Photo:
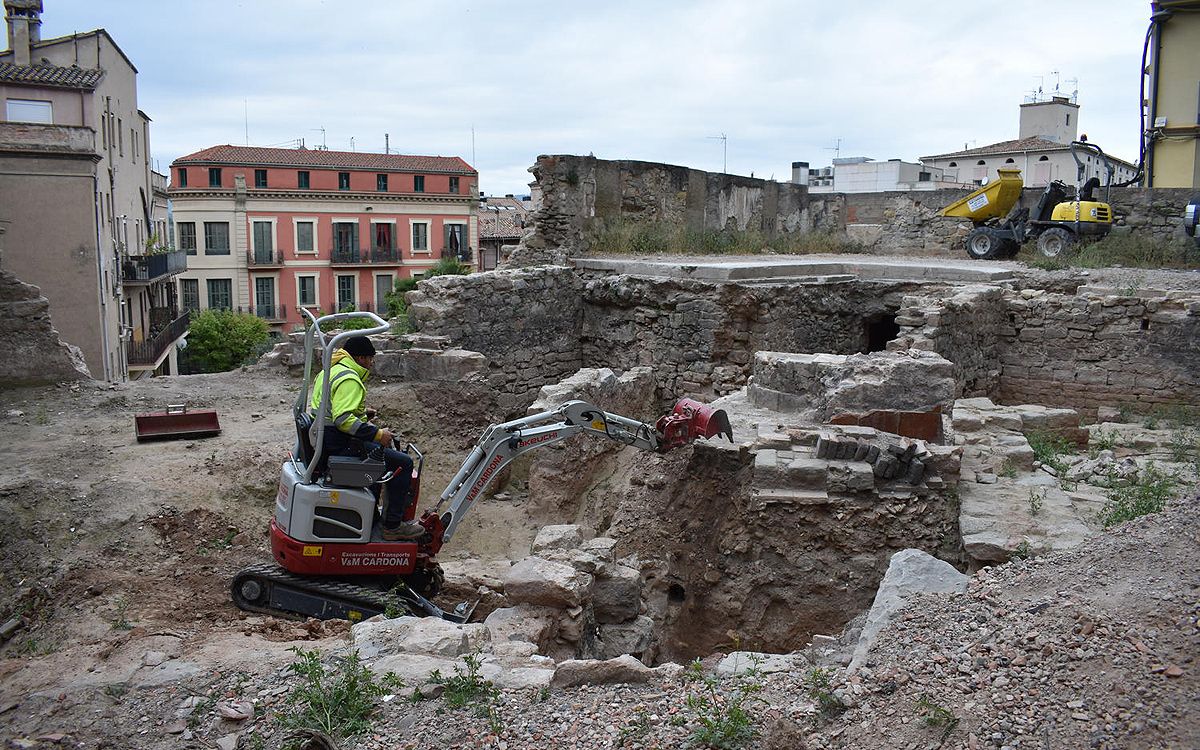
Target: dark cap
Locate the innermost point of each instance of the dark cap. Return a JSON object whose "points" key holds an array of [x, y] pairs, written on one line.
{"points": [[359, 346]]}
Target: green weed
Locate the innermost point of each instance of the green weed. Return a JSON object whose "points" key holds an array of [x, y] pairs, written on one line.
{"points": [[721, 710], [1037, 496], [338, 701], [937, 716], [119, 621], [1008, 469], [1024, 551], [820, 689], [1050, 448], [1149, 494], [202, 709], [223, 542], [1102, 440], [1117, 249], [469, 688], [637, 728]]}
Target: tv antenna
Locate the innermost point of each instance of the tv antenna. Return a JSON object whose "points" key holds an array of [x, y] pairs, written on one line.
{"points": [[836, 148], [724, 139], [322, 132]]}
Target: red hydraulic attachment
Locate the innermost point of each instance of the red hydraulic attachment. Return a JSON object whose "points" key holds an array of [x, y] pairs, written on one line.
{"points": [[691, 420]]}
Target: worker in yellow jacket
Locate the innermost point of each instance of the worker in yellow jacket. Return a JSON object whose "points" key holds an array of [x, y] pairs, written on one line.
{"points": [[349, 431]]}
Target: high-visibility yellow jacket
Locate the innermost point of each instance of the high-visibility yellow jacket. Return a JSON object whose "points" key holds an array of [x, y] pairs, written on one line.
{"points": [[347, 397]]}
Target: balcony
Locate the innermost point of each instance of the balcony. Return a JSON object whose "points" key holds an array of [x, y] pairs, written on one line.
{"points": [[271, 313], [264, 258], [146, 269], [146, 353], [353, 256]]}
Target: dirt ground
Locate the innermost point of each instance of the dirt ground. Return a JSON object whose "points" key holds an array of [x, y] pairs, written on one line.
{"points": [[117, 549]]}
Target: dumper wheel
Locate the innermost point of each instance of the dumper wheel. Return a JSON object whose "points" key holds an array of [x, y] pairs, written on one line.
{"points": [[1055, 242], [982, 244]]}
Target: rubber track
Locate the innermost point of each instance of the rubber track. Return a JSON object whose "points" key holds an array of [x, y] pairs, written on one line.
{"points": [[336, 590]]}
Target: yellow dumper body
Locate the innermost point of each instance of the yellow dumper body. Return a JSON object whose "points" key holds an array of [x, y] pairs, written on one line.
{"points": [[992, 201]]}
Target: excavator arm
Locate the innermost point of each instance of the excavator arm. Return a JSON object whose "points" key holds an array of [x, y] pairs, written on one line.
{"points": [[501, 443]]}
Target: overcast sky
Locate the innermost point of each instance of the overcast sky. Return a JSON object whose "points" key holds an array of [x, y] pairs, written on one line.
{"points": [[656, 81]]}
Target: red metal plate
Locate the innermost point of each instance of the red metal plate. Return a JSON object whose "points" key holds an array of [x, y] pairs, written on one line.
{"points": [[323, 558]]}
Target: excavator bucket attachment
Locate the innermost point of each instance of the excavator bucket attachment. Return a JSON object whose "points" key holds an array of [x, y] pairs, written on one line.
{"points": [[691, 420]]}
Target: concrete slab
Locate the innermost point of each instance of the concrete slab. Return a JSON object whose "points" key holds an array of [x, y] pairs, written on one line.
{"points": [[832, 269]]}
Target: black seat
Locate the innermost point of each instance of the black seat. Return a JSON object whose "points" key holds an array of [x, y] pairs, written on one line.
{"points": [[304, 421]]}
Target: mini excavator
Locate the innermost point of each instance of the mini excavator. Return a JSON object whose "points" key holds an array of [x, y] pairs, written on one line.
{"points": [[331, 560]]}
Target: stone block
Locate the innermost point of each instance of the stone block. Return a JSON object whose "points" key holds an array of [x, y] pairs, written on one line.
{"points": [[634, 637], [557, 537], [536, 580], [427, 635], [623, 669], [617, 594]]}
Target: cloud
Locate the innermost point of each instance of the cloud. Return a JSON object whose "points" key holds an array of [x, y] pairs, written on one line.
{"points": [[783, 79]]}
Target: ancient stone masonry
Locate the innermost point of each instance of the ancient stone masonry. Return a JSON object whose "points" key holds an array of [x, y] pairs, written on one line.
{"points": [[964, 327], [583, 195], [525, 322], [700, 337], [31, 352], [1099, 347], [1096, 350]]}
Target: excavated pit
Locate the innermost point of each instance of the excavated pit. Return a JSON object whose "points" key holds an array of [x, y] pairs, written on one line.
{"points": [[765, 543]]}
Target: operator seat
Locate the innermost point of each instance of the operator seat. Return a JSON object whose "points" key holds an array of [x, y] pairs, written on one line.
{"points": [[304, 446]]}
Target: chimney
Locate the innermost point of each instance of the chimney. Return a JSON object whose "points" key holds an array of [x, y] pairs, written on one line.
{"points": [[24, 28]]}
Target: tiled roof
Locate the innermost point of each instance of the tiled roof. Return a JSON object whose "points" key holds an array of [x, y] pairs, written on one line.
{"points": [[51, 75], [1032, 143], [499, 225], [301, 157]]}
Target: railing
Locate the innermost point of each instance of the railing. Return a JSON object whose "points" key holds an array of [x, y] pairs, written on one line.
{"points": [[270, 312], [147, 352], [350, 255], [161, 317], [264, 258], [147, 268]]}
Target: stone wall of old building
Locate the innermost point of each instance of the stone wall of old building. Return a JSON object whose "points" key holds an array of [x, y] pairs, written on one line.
{"points": [[700, 338], [1090, 350], [31, 352], [526, 322], [1095, 348], [965, 327], [583, 196]]}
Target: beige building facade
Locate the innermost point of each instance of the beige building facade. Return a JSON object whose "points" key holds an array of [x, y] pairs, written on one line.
{"points": [[1173, 114], [76, 187]]}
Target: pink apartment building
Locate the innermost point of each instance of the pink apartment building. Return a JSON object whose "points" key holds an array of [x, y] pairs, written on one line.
{"points": [[269, 230]]}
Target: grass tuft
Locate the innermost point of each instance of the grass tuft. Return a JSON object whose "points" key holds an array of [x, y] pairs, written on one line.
{"points": [[338, 701]]}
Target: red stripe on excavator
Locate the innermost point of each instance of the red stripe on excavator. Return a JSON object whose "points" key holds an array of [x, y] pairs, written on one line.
{"points": [[323, 558]]}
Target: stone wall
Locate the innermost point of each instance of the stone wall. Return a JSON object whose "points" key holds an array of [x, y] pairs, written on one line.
{"points": [[1091, 350], [526, 322], [700, 338], [1154, 211], [583, 195], [31, 352], [1097, 348], [964, 327]]}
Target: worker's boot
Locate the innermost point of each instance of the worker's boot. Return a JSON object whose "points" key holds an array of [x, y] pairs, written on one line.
{"points": [[403, 530]]}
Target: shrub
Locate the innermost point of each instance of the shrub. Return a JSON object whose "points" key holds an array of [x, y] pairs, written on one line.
{"points": [[221, 340], [338, 701], [721, 710], [352, 324], [820, 689], [469, 688], [1149, 494], [1050, 448]]}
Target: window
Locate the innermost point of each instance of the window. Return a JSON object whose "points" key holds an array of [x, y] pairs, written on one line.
{"points": [[302, 179], [216, 238], [343, 180], [260, 178], [306, 291], [264, 242], [220, 294], [381, 183], [264, 297], [187, 236], [923, 176], [419, 183], [120, 136], [345, 241], [954, 164], [454, 184], [383, 285], [214, 177], [182, 177], [345, 291], [981, 162], [1068, 122], [189, 291], [455, 240], [28, 110], [304, 237], [383, 236], [420, 236], [1009, 161]]}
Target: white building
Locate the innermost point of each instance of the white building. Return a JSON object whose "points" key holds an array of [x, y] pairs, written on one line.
{"points": [[1042, 151], [858, 174]]}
